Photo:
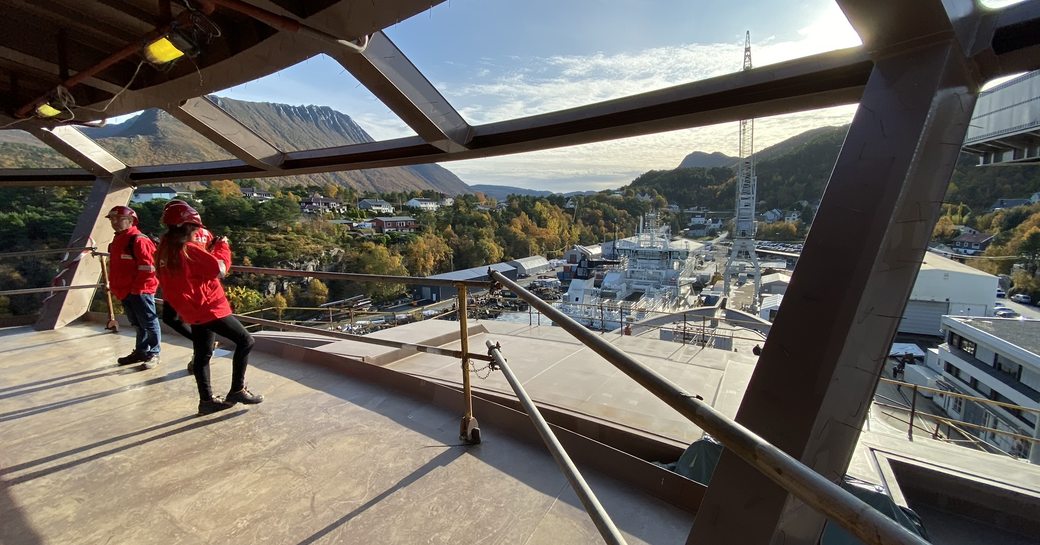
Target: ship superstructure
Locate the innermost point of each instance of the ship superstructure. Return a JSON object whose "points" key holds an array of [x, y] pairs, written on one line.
{"points": [[649, 273]]}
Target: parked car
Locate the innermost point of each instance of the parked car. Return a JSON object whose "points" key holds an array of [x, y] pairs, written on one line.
{"points": [[1001, 293], [1005, 313], [1021, 298]]}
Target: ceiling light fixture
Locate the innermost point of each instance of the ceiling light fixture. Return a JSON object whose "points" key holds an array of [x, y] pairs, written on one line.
{"points": [[162, 51], [46, 111]]}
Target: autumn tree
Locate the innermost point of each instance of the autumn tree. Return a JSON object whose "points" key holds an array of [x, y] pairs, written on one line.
{"points": [[226, 188], [426, 254]]}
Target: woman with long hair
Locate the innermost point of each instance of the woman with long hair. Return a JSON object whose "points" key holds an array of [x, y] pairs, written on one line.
{"points": [[190, 278]]}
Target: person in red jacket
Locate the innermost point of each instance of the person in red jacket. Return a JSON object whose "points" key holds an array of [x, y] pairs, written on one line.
{"points": [[190, 277], [132, 280], [170, 317]]}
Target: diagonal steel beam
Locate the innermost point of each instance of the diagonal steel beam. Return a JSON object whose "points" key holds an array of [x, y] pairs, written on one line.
{"points": [[818, 81], [815, 379], [209, 120], [79, 149], [393, 79]]}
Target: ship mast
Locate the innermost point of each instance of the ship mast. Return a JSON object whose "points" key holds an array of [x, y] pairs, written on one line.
{"points": [[742, 252]]}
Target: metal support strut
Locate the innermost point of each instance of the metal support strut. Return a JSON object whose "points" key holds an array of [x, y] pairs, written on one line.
{"points": [[469, 430], [593, 507], [862, 520]]}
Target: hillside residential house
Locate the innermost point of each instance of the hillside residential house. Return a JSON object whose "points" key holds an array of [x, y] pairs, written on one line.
{"points": [[997, 359], [403, 224], [255, 194], [146, 194], [376, 205], [772, 216], [1009, 203], [700, 223], [793, 216], [317, 204], [447, 201], [428, 205], [972, 244], [964, 229]]}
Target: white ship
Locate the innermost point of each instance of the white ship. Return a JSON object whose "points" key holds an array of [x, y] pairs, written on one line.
{"points": [[649, 273]]}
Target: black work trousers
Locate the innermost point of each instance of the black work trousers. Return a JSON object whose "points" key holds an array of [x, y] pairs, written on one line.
{"points": [[203, 335]]}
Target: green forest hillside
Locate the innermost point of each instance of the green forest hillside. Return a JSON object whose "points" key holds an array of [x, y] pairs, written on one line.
{"points": [[798, 169]]}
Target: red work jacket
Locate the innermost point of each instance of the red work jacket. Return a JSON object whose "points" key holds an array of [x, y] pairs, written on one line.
{"points": [[131, 264], [195, 289]]}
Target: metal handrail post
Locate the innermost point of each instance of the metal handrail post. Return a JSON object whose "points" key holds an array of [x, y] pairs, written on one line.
{"points": [[468, 429], [860, 519], [599, 515], [112, 325], [913, 411]]}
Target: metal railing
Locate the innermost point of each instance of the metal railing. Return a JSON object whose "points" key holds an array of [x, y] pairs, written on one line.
{"points": [[815, 490], [914, 414], [79, 252], [469, 429], [593, 507]]}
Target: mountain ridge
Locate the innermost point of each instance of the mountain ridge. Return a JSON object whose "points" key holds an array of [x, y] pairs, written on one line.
{"points": [[156, 137]]}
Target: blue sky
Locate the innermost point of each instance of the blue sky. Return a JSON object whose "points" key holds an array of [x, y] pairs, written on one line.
{"points": [[500, 59]]}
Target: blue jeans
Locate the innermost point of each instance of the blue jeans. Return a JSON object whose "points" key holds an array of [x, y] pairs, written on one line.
{"points": [[140, 310]]}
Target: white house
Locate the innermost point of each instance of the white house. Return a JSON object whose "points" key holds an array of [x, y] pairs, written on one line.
{"points": [[943, 287], [793, 216], [447, 201], [428, 205], [376, 205], [146, 194], [996, 359]]}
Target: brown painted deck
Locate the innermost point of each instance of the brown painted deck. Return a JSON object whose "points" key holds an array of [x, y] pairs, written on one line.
{"points": [[96, 454]]}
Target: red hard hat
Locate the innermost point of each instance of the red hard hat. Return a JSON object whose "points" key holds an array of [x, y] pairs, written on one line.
{"points": [[173, 202], [177, 214], [121, 211]]}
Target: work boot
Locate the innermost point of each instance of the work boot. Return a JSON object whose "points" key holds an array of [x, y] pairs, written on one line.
{"points": [[243, 396], [131, 358], [149, 361], [213, 405]]}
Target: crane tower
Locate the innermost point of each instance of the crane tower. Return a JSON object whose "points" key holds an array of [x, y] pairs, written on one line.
{"points": [[742, 254]]}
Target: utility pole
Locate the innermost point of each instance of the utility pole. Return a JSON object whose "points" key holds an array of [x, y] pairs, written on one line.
{"points": [[743, 250]]}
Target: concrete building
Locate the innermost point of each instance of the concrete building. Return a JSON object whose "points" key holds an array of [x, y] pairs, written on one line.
{"points": [[997, 359], [526, 266], [439, 293], [945, 286], [775, 284], [769, 307]]}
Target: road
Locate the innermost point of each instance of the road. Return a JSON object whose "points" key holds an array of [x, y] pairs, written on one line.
{"points": [[1028, 311]]}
